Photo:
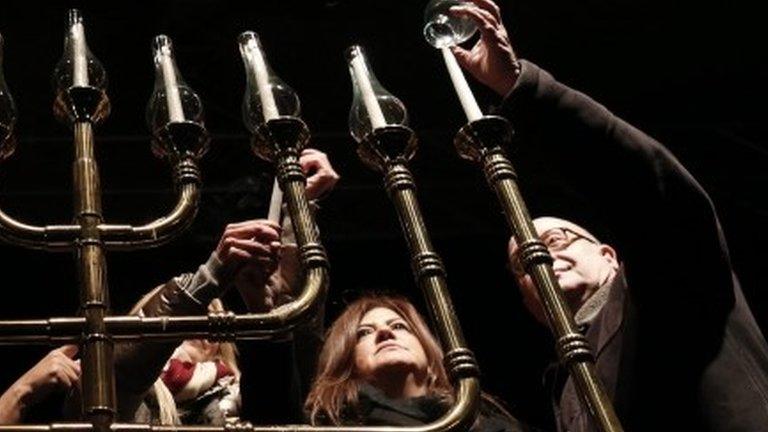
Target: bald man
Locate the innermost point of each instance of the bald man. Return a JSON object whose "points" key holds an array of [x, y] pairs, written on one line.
{"points": [[676, 345], [583, 266]]}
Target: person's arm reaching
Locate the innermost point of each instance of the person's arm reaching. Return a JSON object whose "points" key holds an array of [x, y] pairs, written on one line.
{"points": [[624, 174], [57, 370]]}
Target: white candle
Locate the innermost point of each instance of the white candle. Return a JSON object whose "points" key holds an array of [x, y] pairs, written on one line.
{"points": [[369, 97], [172, 96], [275, 203], [261, 74], [79, 57], [467, 99]]}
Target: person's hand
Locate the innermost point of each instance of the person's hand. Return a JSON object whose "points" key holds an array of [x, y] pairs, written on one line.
{"points": [[321, 177], [250, 251], [491, 60], [57, 370], [254, 244]]}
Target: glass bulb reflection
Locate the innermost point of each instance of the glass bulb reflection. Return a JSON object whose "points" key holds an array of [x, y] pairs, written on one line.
{"points": [[443, 29], [77, 66], [373, 106], [266, 96], [172, 100]]}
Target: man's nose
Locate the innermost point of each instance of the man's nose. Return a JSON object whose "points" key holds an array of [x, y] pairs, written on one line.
{"points": [[384, 333]]}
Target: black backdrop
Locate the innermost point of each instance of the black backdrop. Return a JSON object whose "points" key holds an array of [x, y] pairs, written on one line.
{"points": [[691, 74]]}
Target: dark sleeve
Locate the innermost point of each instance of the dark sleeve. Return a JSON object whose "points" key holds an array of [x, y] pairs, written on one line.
{"points": [[138, 364], [270, 385], [664, 225], [276, 376]]}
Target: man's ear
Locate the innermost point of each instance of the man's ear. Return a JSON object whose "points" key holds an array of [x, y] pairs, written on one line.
{"points": [[609, 255]]}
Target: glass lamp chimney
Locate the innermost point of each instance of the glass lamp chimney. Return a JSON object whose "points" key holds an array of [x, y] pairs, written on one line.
{"points": [[266, 97], [77, 66], [172, 100], [373, 107]]}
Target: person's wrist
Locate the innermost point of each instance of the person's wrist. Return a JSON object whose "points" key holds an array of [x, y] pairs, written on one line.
{"points": [[20, 392], [505, 85]]}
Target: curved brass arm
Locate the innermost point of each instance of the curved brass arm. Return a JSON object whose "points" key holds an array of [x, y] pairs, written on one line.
{"points": [[164, 229], [61, 238], [215, 326], [277, 322], [457, 419], [50, 237], [157, 232]]}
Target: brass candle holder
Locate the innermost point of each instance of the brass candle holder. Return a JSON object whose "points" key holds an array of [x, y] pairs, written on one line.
{"points": [[377, 121], [482, 141]]}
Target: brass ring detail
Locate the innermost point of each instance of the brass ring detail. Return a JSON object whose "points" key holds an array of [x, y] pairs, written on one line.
{"points": [[221, 326], [574, 347], [461, 363], [427, 264]]}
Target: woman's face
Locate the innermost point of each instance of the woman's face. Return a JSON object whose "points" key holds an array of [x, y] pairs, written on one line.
{"points": [[387, 347]]}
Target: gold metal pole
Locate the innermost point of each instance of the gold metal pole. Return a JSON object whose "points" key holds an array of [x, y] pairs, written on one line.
{"points": [[388, 150], [481, 141], [97, 356], [59, 238], [281, 141]]}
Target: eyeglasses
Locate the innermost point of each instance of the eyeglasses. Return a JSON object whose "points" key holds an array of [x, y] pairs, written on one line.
{"points": [[555, 239]]}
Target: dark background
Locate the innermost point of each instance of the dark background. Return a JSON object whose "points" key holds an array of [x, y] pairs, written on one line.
{"points": [[689, 73]]}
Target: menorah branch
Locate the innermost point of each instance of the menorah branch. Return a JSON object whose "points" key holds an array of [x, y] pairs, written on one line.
{"points": [[481, 141]]}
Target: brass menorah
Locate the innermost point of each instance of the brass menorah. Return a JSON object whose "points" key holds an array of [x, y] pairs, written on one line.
{"points": [[179, 135]]}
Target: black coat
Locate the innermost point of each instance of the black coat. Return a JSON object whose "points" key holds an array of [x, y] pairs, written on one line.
{"points": [[677, 346], [376, 409]]}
